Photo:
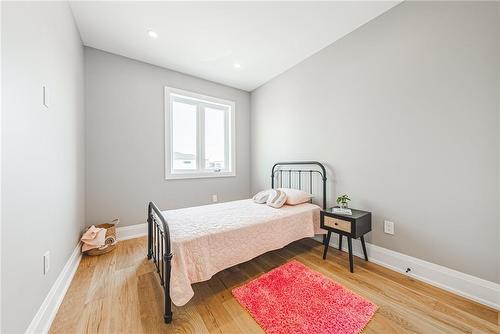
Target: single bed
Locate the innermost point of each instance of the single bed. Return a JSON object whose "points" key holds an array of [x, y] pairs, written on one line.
{"points": [[192, 244]]}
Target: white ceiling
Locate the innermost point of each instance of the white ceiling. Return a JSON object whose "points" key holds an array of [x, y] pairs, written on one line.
{"points": [[206, 39]]}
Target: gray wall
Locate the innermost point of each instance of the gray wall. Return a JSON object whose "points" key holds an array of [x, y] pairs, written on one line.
{"points": [[404, 111], [1, 104], [125, 140], [42, 152], [498, 152]]}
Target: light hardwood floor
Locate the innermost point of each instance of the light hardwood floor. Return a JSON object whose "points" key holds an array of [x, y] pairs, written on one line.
{"points": [[119, 293]]}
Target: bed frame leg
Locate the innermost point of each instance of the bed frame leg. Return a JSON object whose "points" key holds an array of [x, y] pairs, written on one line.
{"points": [[167, 316], [150, 235]]}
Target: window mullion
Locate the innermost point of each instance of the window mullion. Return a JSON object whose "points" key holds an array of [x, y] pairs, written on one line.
{"points": [[227, 146], [170, 133], [201, 137]]}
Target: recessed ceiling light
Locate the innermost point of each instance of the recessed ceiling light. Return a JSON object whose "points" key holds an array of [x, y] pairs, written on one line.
{"points": [[152, 34], [236, 65]]}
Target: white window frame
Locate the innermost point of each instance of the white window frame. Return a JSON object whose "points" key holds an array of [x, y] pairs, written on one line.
{"points": [[230, 152]]}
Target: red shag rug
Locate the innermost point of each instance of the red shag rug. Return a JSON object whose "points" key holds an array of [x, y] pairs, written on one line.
{"points": [[294, 299]]}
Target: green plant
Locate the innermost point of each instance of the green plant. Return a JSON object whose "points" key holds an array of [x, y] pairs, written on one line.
{"points": [[342, 200]]}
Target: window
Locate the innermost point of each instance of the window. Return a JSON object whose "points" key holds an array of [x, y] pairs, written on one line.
{"points": [[199, 135]]}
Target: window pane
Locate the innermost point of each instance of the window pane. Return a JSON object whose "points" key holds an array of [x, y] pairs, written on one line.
{"points": [[183, 136], [215, 141]]}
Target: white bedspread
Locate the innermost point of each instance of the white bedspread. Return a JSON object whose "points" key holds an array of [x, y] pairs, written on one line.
{"points": [[208, 239]]}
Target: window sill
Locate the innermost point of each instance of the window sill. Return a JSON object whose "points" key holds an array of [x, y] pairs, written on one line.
{"points": [[183, 176]]}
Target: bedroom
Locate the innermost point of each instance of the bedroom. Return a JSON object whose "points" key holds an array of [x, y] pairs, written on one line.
{"points": [[172, 116]]}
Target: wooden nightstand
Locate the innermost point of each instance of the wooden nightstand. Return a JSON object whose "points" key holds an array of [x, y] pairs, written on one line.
{"points": [[355, 226]]}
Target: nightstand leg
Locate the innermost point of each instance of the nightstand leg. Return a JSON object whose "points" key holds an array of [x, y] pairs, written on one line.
{"points": [[351, 264], [340, 242], [364, 247], [327, 242]]}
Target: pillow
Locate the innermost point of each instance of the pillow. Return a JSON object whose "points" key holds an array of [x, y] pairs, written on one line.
{"points": [[262, 196], [295, 196], [277, 199]]}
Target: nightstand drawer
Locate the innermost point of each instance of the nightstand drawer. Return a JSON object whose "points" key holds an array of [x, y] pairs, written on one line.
{"points": [[338, 224]]}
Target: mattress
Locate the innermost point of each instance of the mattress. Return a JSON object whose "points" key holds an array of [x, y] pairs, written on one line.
{"points": [[208, 239]]}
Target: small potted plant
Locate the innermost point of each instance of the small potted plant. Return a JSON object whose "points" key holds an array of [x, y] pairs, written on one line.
{"points": [[342, 201]]}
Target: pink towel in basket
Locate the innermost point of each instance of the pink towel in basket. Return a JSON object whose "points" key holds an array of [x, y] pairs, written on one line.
{"points": [[94, 237]]}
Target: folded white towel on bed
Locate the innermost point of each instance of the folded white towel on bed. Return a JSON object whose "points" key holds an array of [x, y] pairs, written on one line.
{"points": [[262, 196], [276, 199]]}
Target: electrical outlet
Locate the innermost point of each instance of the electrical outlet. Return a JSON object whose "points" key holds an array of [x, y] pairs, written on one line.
{"points": [[214, 198], [388, 227], [46, 262]]}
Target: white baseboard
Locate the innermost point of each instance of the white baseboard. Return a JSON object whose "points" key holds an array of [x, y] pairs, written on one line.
{"points": [[132, 231], [47, 312], [465, 285]]}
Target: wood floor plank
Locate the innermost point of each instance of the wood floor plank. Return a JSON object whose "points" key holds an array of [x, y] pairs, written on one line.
{"points": [[242, 318], [66, 319], [212, 294], [95, 317], [120, 292]]}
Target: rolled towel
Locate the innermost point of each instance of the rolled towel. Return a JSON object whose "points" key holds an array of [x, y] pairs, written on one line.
{"points": [[110, 240]]}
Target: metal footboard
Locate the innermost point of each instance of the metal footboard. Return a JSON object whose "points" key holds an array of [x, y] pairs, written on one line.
{"points": [[159, 250]]}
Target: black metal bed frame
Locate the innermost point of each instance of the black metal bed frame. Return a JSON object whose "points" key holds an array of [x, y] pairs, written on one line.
{"points": [[159, 245]]}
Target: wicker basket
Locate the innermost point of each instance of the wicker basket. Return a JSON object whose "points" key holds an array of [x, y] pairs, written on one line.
{"points": [[110, 241]]}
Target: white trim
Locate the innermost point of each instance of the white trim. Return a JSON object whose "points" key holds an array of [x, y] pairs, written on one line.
{"points": [[199, 97], [132, 231], [46, 313], [192, 175], [465, 285], [230, 135]]}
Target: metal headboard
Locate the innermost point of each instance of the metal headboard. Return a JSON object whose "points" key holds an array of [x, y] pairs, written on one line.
{"points": [[299, 178]]}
